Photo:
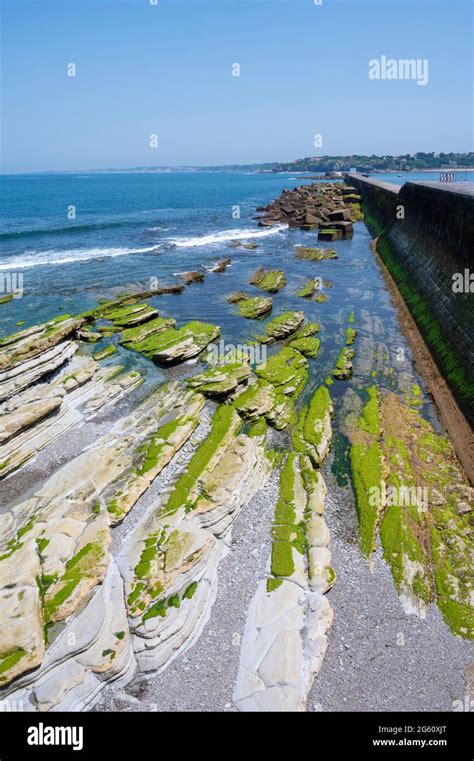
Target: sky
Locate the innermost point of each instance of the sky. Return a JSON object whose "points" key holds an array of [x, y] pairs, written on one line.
{"points": [[166, 69]]}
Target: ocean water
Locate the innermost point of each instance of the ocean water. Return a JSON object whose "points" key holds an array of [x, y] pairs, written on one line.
{"points": [[73, 239], [130, 228], [127, 229]]}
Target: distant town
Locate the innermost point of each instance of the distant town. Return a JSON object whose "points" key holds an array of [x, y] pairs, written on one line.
{"points": [[407, 162]]}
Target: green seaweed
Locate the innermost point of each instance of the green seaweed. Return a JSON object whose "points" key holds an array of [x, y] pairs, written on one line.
{"points": [[105, 353], [367, 476], [450, 364], [271, 280], [9, 659], [190, 591]]}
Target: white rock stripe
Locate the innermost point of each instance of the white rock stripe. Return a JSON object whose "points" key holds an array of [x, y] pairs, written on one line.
{"points": [[285, 640]]}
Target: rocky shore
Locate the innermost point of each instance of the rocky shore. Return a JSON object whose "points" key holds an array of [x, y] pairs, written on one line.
{"points": [[109, 566]]}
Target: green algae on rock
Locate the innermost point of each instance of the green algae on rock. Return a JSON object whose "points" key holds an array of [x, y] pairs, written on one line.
{"points": [[271, 280], [303, 340], [30, 343], [407, 477], [176, 547], [257, 400], [367, 464], [251, 307], [153, 454], [130, 315], [170, 345], [21, 635], [226, 424], [288, 534], [218, 382], [367, 477], [343, 368], [8, 660], [261, 400], [299, 533], [287, 371], [435, 507], [54, 551], [306, 330], [351, 335], [284, 640], [133, 338], [314, 254], [80, 576], [309, 289], [283, 413], [282, 326], [105, 353], [309, 346], [313, 431]]}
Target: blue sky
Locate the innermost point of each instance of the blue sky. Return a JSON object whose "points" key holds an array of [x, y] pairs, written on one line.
{"points": [[166, 70]]}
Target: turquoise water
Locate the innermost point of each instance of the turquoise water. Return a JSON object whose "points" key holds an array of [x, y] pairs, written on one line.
{"points": [[133, 227]]}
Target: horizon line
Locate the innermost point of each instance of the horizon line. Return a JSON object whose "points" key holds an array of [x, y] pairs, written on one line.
{"points": [[164, 167]]}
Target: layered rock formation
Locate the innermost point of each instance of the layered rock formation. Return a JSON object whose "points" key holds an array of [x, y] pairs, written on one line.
{"points": [[285, 633], [282, 327], [38, 415], [410, 486], [170, 561]]}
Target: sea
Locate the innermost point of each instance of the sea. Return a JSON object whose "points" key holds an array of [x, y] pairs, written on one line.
{"points": [[73, 240]]}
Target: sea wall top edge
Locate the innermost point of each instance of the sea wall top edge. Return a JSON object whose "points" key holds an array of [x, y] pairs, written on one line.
{"points": [[390, 186], [456, 188]]}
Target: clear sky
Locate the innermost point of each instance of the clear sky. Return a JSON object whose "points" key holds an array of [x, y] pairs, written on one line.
{"points": [[166, 69]]}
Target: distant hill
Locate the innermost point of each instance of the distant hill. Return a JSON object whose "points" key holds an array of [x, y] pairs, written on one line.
{"points": [[407, 162], [404, 163]]}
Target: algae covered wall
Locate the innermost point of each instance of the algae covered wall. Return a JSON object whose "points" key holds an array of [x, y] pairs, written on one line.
{"points": [[426, 240]]}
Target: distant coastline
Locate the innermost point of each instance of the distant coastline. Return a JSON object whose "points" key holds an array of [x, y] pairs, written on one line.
{"points": [[225, 170], [403, 164]]}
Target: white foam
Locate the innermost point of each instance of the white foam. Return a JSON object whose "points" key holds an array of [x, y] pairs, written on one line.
{"points": [[225, 235], [68, 256]]}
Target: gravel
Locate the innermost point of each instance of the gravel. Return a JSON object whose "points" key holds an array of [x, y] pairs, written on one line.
{"points": [[203, 678], [379, 658]]}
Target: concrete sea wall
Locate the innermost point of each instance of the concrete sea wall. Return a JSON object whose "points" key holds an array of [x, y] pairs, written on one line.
{"points": [[425, 236]]}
